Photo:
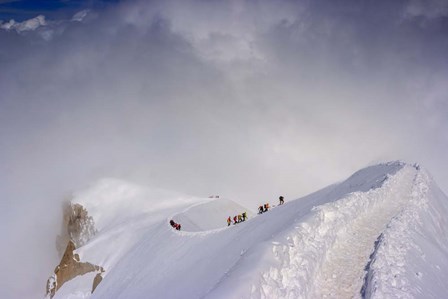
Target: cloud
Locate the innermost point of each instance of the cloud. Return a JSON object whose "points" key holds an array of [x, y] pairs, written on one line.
{"points": [[43, 28], [246, 99], [81, 15], [429, 9], [28, 25]]}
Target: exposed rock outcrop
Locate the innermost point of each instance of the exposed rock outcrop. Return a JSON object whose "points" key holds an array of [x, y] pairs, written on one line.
{"points": [[77, 226], [96, 281], [70, 267], [77, 229]]}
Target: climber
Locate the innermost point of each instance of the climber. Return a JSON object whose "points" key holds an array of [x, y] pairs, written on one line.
{"points": [[281, 200], [239, 218], [229, 221], [266, 207], [175, 225], [235, 220], [260, 210], [244, 216]]}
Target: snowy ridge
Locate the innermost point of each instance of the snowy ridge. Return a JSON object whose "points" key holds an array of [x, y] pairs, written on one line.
{"points": [[312, 245], [372, 235], [209, 215], [412, 253], [112, 202]]}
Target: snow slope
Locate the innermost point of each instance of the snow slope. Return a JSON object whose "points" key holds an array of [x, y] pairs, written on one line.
{"points": [[379, 234], [211, 215], [411, 256]]}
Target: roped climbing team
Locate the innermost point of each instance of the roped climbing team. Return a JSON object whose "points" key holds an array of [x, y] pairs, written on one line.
{"points": [[261, 210], [238, 218]]}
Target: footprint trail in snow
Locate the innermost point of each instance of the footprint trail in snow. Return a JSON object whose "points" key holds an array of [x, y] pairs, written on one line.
{"points": [[342, 273]]}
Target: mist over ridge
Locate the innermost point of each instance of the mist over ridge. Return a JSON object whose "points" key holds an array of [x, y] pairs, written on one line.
{"points": [[248, 99]]}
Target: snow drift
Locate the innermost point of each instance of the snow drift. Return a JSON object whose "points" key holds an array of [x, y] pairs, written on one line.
{"points": [[379, 234]]}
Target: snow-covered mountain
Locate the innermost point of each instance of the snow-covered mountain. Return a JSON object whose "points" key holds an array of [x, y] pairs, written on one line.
{"points": [[382, 233]]}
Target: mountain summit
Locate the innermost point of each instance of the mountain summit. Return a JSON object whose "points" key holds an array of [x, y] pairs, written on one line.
{"points": [[382, 233]]}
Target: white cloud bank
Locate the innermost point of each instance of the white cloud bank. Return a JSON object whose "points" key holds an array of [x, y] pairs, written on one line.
{"points": [[247, 99]]}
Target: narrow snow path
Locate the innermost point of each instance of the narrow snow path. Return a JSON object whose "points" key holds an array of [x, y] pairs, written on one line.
{"points": [[342, 273]]}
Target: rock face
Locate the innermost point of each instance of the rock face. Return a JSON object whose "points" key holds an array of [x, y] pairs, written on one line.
{"points": [[77, 226], [96, 281], [77, 229], [70, 267]]}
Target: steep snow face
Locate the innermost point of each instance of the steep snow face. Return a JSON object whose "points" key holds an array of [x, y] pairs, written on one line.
{"points": [[385, 221]]}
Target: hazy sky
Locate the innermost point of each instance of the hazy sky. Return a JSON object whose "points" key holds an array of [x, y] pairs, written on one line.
{"points": [[21, 10], [246, 99]]}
